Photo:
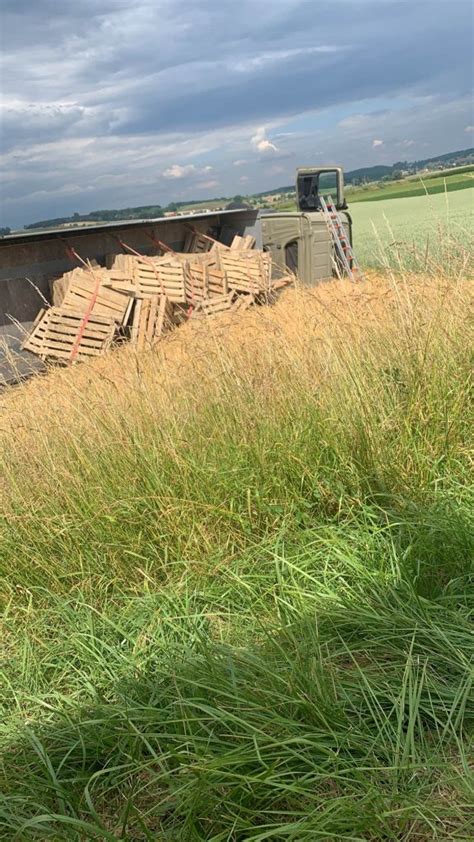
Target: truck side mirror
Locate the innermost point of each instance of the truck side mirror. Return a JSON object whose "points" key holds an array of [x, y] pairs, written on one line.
{"points": [[313, 182]]}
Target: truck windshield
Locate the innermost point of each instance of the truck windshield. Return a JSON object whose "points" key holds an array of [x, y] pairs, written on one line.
{"points": [[312, 186]]}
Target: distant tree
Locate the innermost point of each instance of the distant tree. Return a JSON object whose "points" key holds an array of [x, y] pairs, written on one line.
{"points": [[397, 175], [172, 207], [5, 231]]}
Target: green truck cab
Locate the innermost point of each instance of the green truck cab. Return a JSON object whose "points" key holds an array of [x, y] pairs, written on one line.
{"points": [[301, 242]]}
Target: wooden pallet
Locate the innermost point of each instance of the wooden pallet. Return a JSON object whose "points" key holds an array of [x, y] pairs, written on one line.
{"points": [[247, 271], [196, 242], [152, 318], [162, 276], [91, 288], [121, 263], [214, 306], [242, 243], [63, 334], [204, 281], [151, 295], [60, 286]]}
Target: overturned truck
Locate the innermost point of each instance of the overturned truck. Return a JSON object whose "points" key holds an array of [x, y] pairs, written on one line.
{"points": [[314, 243]]}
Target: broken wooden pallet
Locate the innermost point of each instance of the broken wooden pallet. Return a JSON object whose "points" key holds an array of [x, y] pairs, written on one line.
{"points": [[242, 303], [279, 283], [65, 335]]}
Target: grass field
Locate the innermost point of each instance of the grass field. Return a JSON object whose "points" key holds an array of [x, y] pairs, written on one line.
{"points": [[418, 232], [236, 579], [211, 204]]}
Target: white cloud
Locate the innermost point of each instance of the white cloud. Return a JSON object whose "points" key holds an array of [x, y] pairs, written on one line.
{"points": [[243, 179], [240, 163], [469, 129], [181, 171], [260, 141], [177, 171], [376, 143], [208, 184], [407, 143]]}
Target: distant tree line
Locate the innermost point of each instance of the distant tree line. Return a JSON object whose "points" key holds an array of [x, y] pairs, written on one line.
{"points": [[150, 211], [141, 212]]}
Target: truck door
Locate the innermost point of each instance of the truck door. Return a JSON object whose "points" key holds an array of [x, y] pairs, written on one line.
{"points": [[282, 235]]}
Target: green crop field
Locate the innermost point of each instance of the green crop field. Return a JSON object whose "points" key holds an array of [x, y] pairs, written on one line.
{"points": [[418, 185], [413, 231], [429, 184]]}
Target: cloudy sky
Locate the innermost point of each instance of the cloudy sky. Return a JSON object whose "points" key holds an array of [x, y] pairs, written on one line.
{"points": [[112, 103]]}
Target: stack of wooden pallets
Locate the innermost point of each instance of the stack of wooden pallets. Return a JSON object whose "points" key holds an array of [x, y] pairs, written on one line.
{"points": [[141, 298]]}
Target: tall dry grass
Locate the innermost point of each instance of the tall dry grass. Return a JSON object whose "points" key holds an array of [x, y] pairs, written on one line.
{"points": [[237, 578], [234, 428]]}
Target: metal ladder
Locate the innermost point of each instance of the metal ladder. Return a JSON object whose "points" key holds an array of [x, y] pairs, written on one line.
{"points": [[340, 239]]}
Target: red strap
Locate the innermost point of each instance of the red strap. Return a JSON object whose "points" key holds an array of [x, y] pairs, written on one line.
{"points": [[200, 233], [163, 246], [87, 314]]}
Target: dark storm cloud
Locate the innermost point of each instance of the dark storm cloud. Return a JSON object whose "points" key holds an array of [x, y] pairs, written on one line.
{"points": [[113, 71]]}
